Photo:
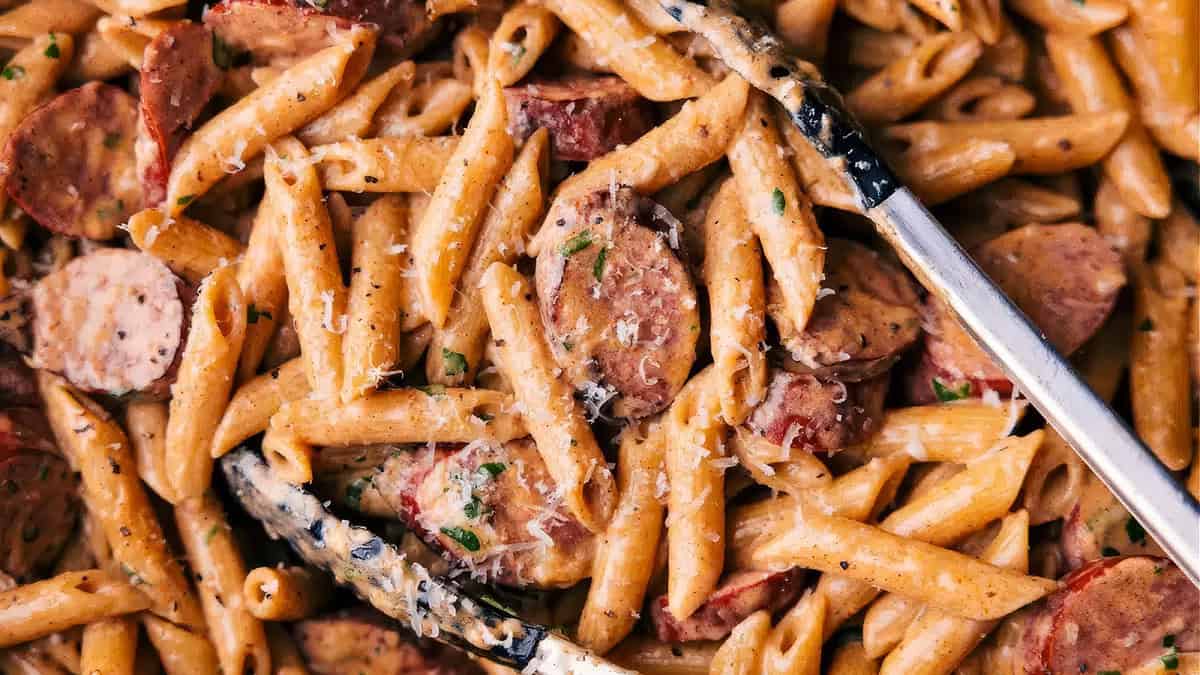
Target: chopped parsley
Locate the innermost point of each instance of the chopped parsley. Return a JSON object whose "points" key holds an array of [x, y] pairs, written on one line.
{"points": [[492, 469], [946, 394], [1168, 640], [252, 314], [568, 345], [212, 532], [112, 140], [518, 53], [432, 389], [52, 51], [12, 72], [464, 538], [1170, 661], [473, 508], [185, 200], [1137, 533], [354, 491], [1106, 672], [1109, 552], [598, 266], [489, 600], [778, 203], [1146, 325], [576, 244], [456, 364]]}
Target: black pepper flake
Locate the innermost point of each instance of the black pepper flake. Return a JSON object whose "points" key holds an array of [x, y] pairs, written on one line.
{"points": [[121, 335], [322, 247], [844, 565], [275, 374], [125, 531], [301, 98], [371, 179], [116, 468]]}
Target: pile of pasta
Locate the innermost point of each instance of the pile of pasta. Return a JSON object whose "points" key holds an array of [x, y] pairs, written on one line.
{"points": [[551, 288]]}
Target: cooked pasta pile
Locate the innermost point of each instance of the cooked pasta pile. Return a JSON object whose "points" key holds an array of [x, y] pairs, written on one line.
{"points": [[573, 315]]}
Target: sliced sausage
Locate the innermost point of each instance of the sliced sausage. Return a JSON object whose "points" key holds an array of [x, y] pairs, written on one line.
{"points": [[17, 383], [1098, 526], [39, 500], [492, 507], [1066, 278], [819, 416], [586, 116], [866, 318], [363, 641], [24, 428], [280, 31], [70, 163], [112, 321], [178, 78], [740, 595], [617, 302], [1113, 615]]}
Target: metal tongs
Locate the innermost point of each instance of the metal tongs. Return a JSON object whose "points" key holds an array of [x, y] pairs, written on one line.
{"points": [[438, 608]]}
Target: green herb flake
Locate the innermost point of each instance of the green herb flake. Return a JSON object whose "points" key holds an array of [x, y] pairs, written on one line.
{"points": [[456, 364], [212, 532], [1137, 533], [598, 266], [1169, 640], [222, 54], [486, 417], [112, 140], [43, 472], [464, 538], [489, 600], [1170, 661], [253, 313], [568, 345], [1146, 325], [12, 72], [492, 469], [185, 200], [518, 53], [1109, 672], [52, 51], [778, 203], [576, 244], [472, 508], [1109, 552], [432, 389], [354, 491], [946, 394], [1081, 3]]}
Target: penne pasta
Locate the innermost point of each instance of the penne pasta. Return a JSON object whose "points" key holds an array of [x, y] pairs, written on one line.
{"points": [[264, 288], [219, 570], [285, 593], [905, 85], [250, 410], [742, 652], [794, 645], [287, 455], [457, 347], [1158, 369], [469, 58], [109, 646], [1071, 18], [442, 238], [201, 391], [30, 611], [190, 248], [353, 116], [37, 17], [146, 423], [851, 659], [556, 421], [181, 651], [945, 432], [285, 657], [409, 164], [981, 98], [885, 622], [427, 109], [804, 26], [525, 32], [823, 185]]}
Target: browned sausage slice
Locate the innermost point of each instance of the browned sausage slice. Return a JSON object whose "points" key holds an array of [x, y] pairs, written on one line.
{"points": [[363, 641], [178, 78], [586, 116], [23, 428], [17, 384], [1113, 615], [617, 303], [819, 416], [281, 32], [112, 321], [70, 164], [1066, 278], [491, 507], [866, 319], [739, 596], [39, 499]]}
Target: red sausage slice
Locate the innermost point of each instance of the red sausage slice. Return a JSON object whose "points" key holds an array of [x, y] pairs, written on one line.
{"points": [[819, 416], [586, 116], [363, 641], [24, 429], [70, 164], [1066, 278], [39, 499], [491, 507], [178, 78], [617, 302], [741, 594], [280, 32], [112, 321], [1113, 615], [17, 383], [860, 329]]}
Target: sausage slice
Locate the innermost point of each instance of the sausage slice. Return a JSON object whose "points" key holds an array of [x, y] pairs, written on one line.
{"points": [[617, 303], [112, 321], [178, 77], [70, 163], [586, 116], [281, 31], [492, 507], [819, 416], [39, 500], [17, 383], [1113, 615], [1066, 278], [863, 323], [363, 641], [741, 594], [24, 428]]}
